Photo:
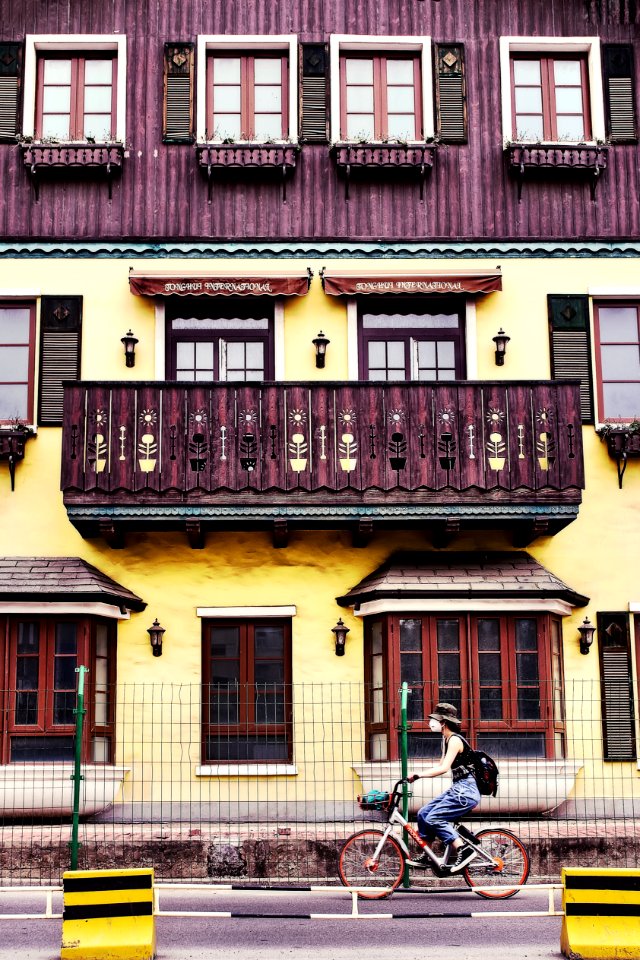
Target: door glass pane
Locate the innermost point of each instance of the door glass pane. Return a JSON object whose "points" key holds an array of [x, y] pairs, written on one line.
{"points": [[28, 638], [448, 635], [66, 638], [269, 641], [490, 703], [185, 355], [395, 354], [411, 668], [225, 642], [27, 673], [526, 634]]}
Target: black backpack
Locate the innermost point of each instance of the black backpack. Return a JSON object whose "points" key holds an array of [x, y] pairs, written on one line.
{"points": [[484, 769]]}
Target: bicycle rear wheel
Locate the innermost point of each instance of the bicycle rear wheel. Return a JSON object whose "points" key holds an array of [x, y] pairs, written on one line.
{"points": [[511, 865], [357, 868]]}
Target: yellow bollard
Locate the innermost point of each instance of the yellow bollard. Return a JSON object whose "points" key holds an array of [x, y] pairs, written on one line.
{"points": [[108, 914], [601, 913]]}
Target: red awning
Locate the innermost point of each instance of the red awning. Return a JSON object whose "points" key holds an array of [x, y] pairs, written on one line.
{"points": [[349, 283], [180, 285]]}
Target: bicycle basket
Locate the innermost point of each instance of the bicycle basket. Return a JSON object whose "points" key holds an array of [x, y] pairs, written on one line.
{"points": [[374, 800]]}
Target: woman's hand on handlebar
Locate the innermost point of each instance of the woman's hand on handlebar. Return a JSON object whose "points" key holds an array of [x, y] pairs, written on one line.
{"points": [[416, 776]]}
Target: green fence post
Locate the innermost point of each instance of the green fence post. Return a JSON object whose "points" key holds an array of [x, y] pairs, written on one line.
{"points": [[76, 776], [404, 761]]}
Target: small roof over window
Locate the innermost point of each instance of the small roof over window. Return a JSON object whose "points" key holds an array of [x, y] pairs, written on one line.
{"points": [[256, 282], [353, 281], [67, 580]]}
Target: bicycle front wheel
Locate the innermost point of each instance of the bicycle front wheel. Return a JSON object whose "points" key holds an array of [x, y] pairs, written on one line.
{"points": [[511, 865], [379, 877]]}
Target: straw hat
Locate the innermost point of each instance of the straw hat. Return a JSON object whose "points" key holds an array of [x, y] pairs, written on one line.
{"points": [[447, 713]]}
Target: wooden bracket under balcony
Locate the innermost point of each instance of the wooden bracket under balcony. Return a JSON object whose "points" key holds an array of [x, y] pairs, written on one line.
{"points": [[43, 159], [12, 444], [267, 156], [528, 159], [385, 156]]}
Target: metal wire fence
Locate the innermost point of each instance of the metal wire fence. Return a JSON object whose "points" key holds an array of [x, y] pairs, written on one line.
{"points": [[259, 783]]}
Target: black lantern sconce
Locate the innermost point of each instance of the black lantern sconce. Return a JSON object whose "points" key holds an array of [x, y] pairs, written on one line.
{"points": [[587, 633], [340, 633], [320, 343], [501, 340], [156, 632], [129, 342]]}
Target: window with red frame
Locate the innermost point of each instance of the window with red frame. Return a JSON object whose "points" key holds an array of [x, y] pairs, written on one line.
{"points": [[17, 351], [247, 97], [550, 98], [502, 672], [380, 98], [40, 699], [617, 330], [76, 97], [246, 693]]}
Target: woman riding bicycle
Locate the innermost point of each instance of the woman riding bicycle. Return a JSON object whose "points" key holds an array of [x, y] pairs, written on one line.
{"points": [[435, 818]]}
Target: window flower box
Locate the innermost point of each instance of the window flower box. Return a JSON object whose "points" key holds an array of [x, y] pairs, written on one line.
{"points": [[385, 156], [13, 439], [530, 158], [44, 158], [623, 441], [235, 156]]}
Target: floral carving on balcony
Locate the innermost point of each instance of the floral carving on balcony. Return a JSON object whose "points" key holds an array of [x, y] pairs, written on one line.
{"points": [[385, 156], [44, 158], [529, 158], [280, 157]]}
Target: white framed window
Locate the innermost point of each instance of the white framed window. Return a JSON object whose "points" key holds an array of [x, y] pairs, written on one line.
{"points": [[551, 89], [247, 89], [382, 88], [75, 87]]}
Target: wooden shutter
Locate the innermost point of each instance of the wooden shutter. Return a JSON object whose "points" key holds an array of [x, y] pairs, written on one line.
{"points": [[177, 112], [314, 100], [619, 92], [618, 725], [10, 82], [451, 93], [60, 341], [570, 345]]}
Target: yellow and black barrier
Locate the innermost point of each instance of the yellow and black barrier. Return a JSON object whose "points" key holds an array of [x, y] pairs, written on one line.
{"points": [[108, 914], [601, 913]]}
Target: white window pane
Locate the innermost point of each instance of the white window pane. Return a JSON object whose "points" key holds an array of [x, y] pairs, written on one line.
{"points": [[426, 353], [56, 100], [567, 72], [98, 71], [570, 128], [220, 323], [204, 355], [376, 638], [395, 353], [528, 100], [227, 125], [446, 354], [396, 373], [401, 126], [413, 321], [400, 71], [377, 374], [226, 69], [446, 373], [55, 126], [378, 703], [621, 400], [618, 363], [100, 704], [268, 99], [14, 325], [400, 100], [235, 355], [569, 100], [268, 71], [529, 128], [13, 401], [526, 71], [377, 353], [100, 750], [185, 375], [57, 71], [268, 126], [97, 99], [203, 375], [14, 364], [185, 355], [226, 99], [360, 126], [359, 99], [102, 649], [255, 355], [427, 373], [616, 324], [359, 71], [97, 125]]}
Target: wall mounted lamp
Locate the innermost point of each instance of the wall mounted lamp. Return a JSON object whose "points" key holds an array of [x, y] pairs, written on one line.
{"points": [[320, 343], [156, 632], [340, 633], [587, 633], [501, 340], [129, 342]]}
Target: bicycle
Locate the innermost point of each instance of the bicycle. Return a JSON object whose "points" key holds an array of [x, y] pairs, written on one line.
{"points": [[374, 861]]}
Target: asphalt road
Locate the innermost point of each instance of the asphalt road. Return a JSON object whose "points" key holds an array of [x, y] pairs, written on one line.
{"points": [[249, 937]]}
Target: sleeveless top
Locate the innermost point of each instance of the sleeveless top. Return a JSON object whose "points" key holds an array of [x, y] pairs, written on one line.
{"points": [[461, 766]]}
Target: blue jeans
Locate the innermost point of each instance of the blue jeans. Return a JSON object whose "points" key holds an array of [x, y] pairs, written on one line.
{"points": [[434, 819]]}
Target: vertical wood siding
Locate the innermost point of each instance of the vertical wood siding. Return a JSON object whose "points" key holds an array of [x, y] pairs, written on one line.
{"points": [[468, 195]]}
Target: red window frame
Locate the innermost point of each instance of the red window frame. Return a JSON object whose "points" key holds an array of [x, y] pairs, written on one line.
{"points": [[247, 726], [631, 344], [380, 98], [44, 726], [551, 721], [31, 345], [247, 89], [547, 86], [76, 113]]}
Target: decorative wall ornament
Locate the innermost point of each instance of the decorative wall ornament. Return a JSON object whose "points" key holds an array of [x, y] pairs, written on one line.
{"points": [[546, 444], [447, 445], [520, 441], [397, 443], [348, 445], [471, 434], [323, 442], [97, 447], [147, 447], [298, 445], [198, 443], [496, 446], [248, 452]]}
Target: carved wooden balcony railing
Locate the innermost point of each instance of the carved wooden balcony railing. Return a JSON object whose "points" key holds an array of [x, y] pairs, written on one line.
{"points": [[280, 157], [535, 159], [273, 455], [87, 159], [418, 158]]}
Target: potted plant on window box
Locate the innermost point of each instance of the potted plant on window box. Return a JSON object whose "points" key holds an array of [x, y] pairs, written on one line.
{"points": [[623, 441], [13, 437]]}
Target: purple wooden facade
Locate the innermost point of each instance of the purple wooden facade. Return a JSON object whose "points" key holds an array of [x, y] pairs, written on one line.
{"points": [[469, 194]]}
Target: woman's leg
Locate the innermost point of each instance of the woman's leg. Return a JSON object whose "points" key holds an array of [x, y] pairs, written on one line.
{"points": [[425, 828], [454, 803]]}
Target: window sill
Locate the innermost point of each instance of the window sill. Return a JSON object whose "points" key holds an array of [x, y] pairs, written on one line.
{"points": [[526, 158], [247, 770], [41, 158], [418, 157]]}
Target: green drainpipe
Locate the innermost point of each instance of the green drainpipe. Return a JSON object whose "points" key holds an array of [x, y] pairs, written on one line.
{"points": [[76, 776]]}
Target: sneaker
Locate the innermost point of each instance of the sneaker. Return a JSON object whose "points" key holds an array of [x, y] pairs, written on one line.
{"points": [[423, 861], [463, 856]]}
